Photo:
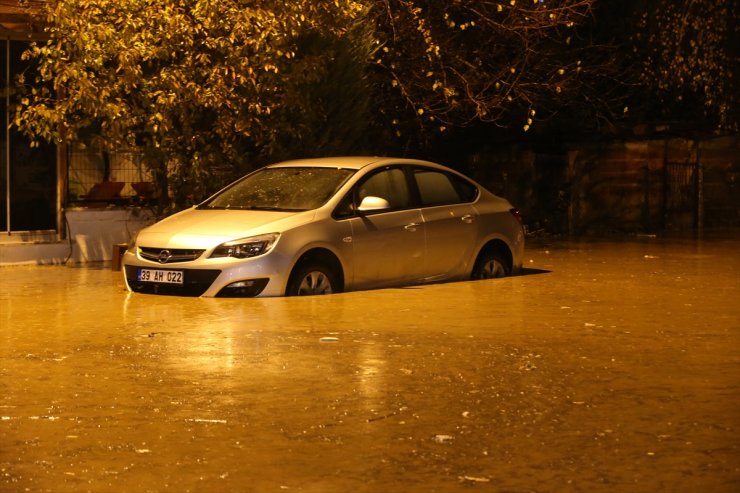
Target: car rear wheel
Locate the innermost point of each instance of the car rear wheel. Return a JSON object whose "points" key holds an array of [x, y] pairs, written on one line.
{"points": [[311, 279], [490, 265]]}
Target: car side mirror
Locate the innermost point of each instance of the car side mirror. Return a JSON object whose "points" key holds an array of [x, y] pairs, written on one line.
{"points": [[370, 204]]}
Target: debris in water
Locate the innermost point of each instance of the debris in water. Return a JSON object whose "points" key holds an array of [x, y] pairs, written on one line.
{"points": [[443, 438], [474, 479], [329, 339], [378, 418]]}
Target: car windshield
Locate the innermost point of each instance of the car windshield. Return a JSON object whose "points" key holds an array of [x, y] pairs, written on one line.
{"points": [[282, 189]]}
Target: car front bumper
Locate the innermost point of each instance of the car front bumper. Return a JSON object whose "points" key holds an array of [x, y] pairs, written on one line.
{"points": [[228, 277]]}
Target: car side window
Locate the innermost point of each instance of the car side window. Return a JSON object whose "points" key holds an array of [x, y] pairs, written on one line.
{"points": [[346, 207], [389, 184], [435, 188], [468, 192], [439, 188]]}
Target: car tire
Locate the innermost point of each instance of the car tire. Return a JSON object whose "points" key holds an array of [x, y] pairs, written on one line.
{"points": [[312, 279], [490, 265]]}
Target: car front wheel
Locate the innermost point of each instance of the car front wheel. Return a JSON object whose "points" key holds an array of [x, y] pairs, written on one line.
{"points": [[311, 279]]}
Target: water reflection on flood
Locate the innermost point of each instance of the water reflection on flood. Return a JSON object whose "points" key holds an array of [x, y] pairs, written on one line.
{"points": [[607, 367], [248, 340]]}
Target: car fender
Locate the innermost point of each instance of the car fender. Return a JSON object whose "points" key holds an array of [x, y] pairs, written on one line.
{"points": [[335, 238]]}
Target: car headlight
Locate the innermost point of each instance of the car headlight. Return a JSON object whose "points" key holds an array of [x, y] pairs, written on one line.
{"points": [[246, 247]]}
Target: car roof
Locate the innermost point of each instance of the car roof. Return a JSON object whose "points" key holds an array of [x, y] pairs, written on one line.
{"points": [[349, 162]]}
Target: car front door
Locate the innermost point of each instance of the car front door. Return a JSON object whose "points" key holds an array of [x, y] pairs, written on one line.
{"points": [[388, 244]]}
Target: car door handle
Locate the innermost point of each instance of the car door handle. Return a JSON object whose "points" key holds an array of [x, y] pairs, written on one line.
{"points": [[411, 226], [467, 218]]}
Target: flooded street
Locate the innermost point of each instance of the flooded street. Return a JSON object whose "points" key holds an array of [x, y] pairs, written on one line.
{"points": [[604, 367]]}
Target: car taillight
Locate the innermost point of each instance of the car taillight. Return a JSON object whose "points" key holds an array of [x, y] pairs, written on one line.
{"points": [[517, 215]]}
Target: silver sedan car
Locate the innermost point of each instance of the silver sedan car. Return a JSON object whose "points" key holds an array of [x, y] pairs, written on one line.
{"points": [[320, 226]]}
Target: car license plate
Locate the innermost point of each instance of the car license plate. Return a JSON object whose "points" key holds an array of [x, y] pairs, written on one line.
{"points": [[161, 276]]}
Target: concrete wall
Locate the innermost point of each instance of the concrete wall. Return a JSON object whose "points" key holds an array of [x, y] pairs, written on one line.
{"points": [[669, 184], [720, 159], [92, 234]]}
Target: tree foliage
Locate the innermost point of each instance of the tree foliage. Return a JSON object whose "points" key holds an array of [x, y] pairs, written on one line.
{"points": [[588, 64], [198, 85], [211, 88], [688, 55], [506, 62]]}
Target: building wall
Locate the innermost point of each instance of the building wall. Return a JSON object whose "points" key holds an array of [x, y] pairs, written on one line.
{"points": [[670, 184]]}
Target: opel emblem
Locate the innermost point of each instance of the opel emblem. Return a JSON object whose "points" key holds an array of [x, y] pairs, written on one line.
{"points": [[164, 256]]}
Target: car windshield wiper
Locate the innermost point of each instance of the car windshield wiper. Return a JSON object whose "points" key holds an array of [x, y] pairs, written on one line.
{"points": [[250, 208], [256, 208]]}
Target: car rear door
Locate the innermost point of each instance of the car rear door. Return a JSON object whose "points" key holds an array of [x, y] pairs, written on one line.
{"points": [[450, 223]]}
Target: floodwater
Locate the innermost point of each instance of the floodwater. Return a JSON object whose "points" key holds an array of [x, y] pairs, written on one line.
{"points": [[605, 367]]}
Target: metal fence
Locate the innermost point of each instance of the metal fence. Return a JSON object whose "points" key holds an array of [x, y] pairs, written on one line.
{"points": [[682, 188], [98, 177]]}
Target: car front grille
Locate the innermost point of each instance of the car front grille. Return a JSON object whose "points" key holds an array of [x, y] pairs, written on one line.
{"points": [[195, 282], [169, 255]]}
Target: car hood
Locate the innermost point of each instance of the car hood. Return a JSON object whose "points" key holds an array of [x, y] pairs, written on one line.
{"points": [[202, 228]]}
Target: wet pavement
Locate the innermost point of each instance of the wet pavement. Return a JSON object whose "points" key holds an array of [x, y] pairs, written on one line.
{"points": [[605, 367]]}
